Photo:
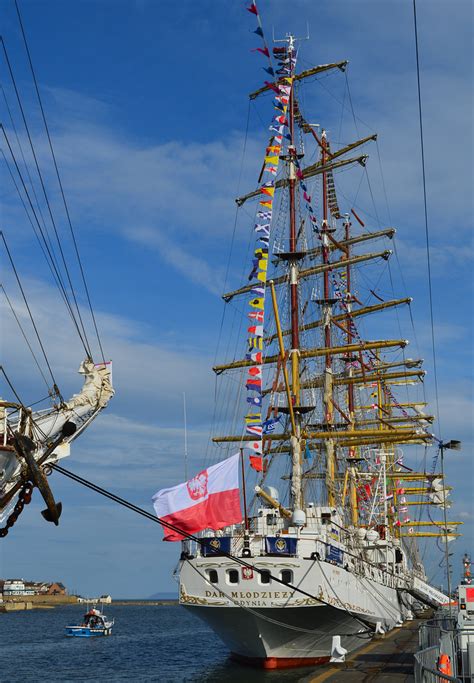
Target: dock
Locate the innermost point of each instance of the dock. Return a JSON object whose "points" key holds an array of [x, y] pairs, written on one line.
{"points": [[386, 659]]}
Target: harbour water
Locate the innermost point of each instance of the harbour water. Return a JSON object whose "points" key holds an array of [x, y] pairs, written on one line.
{"points": [[149, 643]]}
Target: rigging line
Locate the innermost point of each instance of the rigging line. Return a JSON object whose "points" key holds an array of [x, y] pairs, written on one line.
{"points": [[140, 511], [2, 370], [55, 386], [24, 335], [24, 161], [425, 206], [32, 225], [53, 222], [76, 248], [383, 182], [58, 274]]}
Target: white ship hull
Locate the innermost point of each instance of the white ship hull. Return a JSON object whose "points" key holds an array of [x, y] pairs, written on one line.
{"points": [[274, 627]]}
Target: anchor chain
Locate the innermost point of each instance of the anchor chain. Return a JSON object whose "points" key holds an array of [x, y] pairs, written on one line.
{"points": [[24, 498]]}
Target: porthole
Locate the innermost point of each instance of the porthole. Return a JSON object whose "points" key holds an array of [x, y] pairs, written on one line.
{"points": [[212, 575], [286, 576], [265, 576], [233, 576]]}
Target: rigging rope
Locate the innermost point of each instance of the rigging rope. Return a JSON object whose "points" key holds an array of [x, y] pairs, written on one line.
{"points": [[53, 222], [24, 335], [76, 248], [51, 256], [55, 386], [425, 206]]}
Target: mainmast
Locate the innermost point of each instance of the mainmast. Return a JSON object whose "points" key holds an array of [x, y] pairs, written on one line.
{"points": [[296, 455]]}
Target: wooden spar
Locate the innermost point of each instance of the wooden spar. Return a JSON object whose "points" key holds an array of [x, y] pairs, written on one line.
{"points": [[352, 436], [282, 356], [347, 242], [399, 405], [315, 270], [314, 353], [430, 523], [366, 310], [309, 172], [430, 534], [304, 74]]}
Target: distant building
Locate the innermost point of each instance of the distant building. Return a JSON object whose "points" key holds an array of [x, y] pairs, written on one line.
{"points": [[14, 587], [56, 589]]}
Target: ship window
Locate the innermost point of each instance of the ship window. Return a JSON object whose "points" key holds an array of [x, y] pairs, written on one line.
{"points": [[287, 576], [212, 574], [265, 577], [233, 575]]}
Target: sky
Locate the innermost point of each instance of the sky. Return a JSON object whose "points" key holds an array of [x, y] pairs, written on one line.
{"points": [[147, 103]]}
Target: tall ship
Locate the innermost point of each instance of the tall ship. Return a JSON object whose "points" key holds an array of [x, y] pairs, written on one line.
{"points": [[321, 409]]}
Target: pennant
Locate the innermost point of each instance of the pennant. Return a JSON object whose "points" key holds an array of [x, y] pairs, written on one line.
{"points": [[254, 400], [256, 463], [255, 357], [255, 343], [259, 32], [256, 329], [271, 169], [255, 371], [254, 429], [253, 418], [274, 149], [254, 385], [269, 425], [257, 303], [272, 86], [284, 89], [268, 203], [256, 315], [269, 70], [265, 215], [270, 191], [253, 10], [263, 50], [258, 290], [281, 119], [255, 446], [271, 160], [277, 129]]}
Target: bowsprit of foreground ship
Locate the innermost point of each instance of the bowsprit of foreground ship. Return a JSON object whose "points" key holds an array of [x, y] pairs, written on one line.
{"points": [[334, 559]]}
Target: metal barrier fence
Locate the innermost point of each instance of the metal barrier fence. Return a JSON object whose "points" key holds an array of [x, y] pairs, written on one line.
{"points": [[426, 667]]}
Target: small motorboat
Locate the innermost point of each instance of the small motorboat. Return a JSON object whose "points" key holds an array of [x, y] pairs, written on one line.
{"points": [[94, 624]]}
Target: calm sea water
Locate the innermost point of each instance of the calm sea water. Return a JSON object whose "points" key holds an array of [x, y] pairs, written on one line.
{"points": [[149, 643]]}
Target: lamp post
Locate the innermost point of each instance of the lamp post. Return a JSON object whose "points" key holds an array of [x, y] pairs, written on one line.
{"points": [[456, 446]]}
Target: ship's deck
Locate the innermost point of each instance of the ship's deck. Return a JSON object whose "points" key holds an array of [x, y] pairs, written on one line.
{"points": [[388, 658]]}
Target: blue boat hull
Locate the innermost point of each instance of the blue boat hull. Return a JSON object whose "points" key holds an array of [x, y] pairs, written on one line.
{"points": [[86, 632]]}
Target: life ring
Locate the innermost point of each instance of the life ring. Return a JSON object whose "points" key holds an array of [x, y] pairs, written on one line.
{"points": [[444, 665]]}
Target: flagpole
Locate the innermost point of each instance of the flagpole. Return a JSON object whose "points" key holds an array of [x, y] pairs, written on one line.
{"points": [[185, 439], [246, 519]]}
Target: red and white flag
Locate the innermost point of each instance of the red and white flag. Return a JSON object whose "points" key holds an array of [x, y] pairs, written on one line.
{"points": [[211, 500]]}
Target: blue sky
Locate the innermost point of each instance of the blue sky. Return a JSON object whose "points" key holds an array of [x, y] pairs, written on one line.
{"points": [[147, 104]]}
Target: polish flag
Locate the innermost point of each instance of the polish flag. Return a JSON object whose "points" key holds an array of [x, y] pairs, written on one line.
{"points": [[211, 500]]}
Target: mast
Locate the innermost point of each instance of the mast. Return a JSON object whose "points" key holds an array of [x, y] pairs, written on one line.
{"points": [[296, 455], [326, 316]]}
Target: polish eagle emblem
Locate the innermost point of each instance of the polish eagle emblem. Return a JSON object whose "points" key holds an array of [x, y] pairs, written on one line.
{"points": [[197, 486]]}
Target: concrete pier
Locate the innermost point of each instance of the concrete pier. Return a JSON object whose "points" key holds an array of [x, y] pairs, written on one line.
{"points": [[386, 659]]}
